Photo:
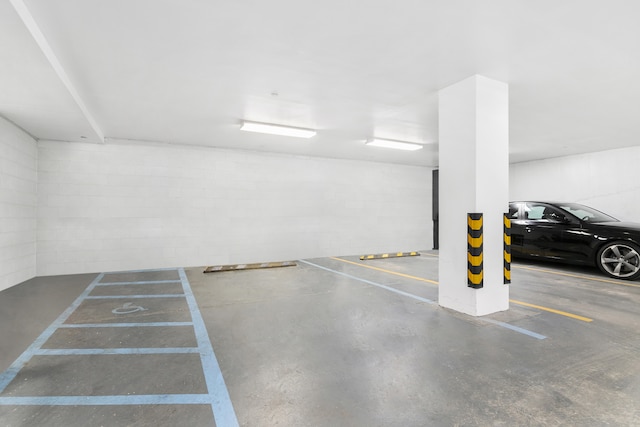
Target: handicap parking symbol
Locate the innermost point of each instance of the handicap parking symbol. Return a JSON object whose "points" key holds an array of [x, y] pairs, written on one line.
{"points": [[128, 308]]}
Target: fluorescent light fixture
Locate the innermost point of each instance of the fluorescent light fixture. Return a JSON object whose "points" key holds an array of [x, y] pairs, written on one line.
{"points": [[398, 145], [277, 129]]}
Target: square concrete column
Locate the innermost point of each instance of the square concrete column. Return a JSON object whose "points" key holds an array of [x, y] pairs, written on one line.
{"points": [[474, 178]]}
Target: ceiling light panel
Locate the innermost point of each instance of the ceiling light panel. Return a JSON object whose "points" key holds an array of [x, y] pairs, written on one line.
{"points": [[398, 145], [277, 129]]}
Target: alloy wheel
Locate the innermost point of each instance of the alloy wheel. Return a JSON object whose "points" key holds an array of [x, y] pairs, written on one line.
{"points": [[619, 260]]}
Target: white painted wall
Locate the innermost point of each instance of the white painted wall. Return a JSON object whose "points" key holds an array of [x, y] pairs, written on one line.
{"points": [[113, 207], [606, 180], [119, 206], [474, 168], [18, 190]]}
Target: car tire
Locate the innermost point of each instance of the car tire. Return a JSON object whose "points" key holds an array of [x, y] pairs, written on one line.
{"points": [[620, 260]]}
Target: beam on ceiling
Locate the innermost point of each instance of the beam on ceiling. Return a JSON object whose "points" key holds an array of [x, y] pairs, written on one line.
{"points": [[41, 40]]}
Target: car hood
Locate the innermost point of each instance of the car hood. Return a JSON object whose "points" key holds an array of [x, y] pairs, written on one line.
{"points": [[622, 225]]}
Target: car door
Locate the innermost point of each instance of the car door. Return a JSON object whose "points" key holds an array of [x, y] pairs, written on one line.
{"points": [[545, 231], [517, 228]]}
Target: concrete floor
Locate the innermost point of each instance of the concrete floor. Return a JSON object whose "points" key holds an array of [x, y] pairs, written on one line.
{"points": [[330, 342]]}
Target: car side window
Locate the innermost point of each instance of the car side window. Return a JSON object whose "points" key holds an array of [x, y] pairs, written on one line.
{"points": [[533, 211], [540, 212]]}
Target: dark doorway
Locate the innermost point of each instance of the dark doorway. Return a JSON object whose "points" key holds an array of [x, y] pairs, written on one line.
{"points": [[435, 207]]}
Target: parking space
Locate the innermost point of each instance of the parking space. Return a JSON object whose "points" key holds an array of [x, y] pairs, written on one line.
{"points": [[332, 341], [130, 339]]}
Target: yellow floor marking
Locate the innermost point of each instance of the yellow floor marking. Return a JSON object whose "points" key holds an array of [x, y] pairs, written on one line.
{"points": [[539, 307], [577, 276], [387, 271], [563, 313], [558, 273]]}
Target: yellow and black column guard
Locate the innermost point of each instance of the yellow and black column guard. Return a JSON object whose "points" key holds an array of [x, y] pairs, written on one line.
{"points": [[474, 250], [507, 249], [390, 255]]}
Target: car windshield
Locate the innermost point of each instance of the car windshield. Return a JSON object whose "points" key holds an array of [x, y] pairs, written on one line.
{"points": [[586, 213]]}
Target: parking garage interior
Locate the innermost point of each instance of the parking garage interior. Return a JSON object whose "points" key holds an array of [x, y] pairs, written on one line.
{"points": [[124, 174]]}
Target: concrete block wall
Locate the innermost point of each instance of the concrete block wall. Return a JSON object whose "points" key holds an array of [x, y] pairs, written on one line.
{"points": [[117, 206], [606, 180], [122, 206], [18, 198]]}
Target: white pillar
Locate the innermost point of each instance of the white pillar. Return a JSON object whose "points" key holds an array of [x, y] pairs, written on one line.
{"points": [[474, 178]]}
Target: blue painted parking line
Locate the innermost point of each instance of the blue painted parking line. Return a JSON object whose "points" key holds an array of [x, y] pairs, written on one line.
{"points": [[152, 270], [133, 399], [124, 325], [223, 411], [388, 288], [407, 294], [145, 282], [515, 328], [217, 395], [136, 296], [102, 351]]}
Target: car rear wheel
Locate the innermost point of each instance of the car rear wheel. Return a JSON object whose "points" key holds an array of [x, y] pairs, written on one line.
{"points": [[620, 260]]}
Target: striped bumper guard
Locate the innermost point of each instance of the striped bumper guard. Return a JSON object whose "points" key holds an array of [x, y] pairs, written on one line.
{"points": [[474, 250]]}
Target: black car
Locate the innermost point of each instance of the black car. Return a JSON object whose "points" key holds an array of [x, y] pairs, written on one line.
{"points": [[575, 234]]}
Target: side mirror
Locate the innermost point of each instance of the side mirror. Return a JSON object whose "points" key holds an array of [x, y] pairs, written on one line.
{"points": [[569, 220]]}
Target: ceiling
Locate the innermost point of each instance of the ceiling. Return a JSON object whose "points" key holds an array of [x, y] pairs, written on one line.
{"points": [[189, 71]]}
